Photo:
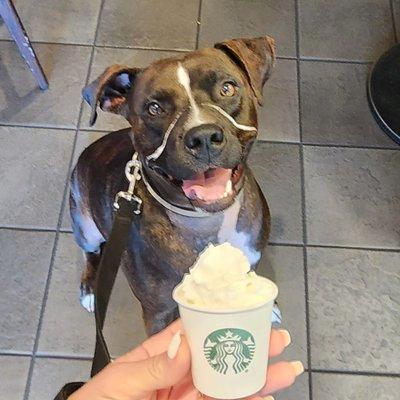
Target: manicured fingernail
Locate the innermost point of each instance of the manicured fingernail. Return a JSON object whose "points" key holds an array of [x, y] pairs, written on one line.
{"points": [[286, 337], [269, 398], [174, 345], [298, 367]]}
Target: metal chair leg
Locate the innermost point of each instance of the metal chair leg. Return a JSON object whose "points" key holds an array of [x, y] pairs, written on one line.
{"points": [[17, 31]]}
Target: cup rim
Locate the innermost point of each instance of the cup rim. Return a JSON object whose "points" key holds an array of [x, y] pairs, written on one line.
{"points": [[208, 310]]}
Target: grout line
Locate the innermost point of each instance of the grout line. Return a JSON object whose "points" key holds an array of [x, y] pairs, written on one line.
{"points": [[106, 46], [184, 50], [333, 246], [25, 229], [60, 216], [16, 353], [351, 146], [42, 308], [335, 60], [392, 11], [58, 128], [110, 46], [277, 244], [358, 373], [64, 357], [283, 244], [198, 23], [335, 146], [303, 201], [50, 43], [286, 58]]}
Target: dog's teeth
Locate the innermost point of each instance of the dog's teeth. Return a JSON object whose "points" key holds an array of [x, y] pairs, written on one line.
{"points": [[225, 195], [228, 187]]}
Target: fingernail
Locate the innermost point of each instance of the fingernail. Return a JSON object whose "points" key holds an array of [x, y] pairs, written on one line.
{"points": [[268, 398], [286, 337], [298, 367], [174, 345]]}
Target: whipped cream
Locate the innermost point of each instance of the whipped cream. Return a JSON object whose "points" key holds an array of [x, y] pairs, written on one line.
{"points": [[221, 279]]}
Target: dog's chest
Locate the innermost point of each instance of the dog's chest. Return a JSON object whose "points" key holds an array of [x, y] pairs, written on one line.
{"points": [[229, 232], [219, 228]]}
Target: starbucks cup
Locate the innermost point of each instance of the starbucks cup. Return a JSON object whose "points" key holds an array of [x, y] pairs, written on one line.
{"points": [[229, 348]]}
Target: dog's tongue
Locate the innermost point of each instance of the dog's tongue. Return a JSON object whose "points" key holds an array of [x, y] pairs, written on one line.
{"points": [[209, 185]]}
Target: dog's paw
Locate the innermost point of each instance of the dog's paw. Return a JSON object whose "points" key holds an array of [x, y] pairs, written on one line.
{"points": [[276, 315], [86, 298], [87, 302]]}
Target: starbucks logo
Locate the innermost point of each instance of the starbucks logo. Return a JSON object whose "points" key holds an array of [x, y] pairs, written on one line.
{"points": [[229, 349]]}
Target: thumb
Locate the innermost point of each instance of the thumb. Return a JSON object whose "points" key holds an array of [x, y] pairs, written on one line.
{"points": [[161, 371]]}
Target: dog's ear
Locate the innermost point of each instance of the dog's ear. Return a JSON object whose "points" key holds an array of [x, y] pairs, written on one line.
{"points": [[110, 90], [255, 56]]}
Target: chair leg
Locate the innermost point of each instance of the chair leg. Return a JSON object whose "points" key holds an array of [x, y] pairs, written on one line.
{"points": [[17, 31]]}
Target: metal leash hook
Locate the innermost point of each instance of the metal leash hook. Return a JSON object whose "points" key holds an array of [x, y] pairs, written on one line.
{"points": [[132, 177]]}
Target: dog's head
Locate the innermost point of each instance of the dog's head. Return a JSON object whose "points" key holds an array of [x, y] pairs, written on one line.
{"points": [[193, 117]]}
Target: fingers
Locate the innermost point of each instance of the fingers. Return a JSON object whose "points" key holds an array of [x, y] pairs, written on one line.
{"points": [[154, 345], [160, 371], [281, 375], [279, 339], [136, 380]]}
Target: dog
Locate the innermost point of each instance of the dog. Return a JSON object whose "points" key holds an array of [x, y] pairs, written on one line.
{"points": [[193, 122]]}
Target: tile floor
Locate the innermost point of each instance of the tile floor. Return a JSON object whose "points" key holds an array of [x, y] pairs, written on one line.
{"points": [[331, 177]]}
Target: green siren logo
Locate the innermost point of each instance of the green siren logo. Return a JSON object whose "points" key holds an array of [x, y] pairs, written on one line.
{"points": [[229, 349]]}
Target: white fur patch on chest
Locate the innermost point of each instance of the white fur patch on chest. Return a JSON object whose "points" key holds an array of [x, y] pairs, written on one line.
{"points": [[241, 240]]}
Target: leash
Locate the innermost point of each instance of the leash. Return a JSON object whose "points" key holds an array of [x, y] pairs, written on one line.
{"points": [[126, 206]]}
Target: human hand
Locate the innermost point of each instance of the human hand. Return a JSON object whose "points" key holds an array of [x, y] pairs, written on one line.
{"points": [[160, 369]]}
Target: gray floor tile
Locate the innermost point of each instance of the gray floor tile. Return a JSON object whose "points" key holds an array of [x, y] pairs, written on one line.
{"points": [[279, 116], [335, 108], [298, 391], [227, 19], [24, 263], [22, 102], [277, 169], [353, 387], [14, 373], [103, 58], [124, 328], [284, 265], [354, 309], [34, 168], [85, 138], [50, 375], [66, 21], [352, 196], [149, 23], [351, 30]]}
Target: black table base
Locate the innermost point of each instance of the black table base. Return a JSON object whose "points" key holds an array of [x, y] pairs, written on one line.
{"points": [[384, 92]]}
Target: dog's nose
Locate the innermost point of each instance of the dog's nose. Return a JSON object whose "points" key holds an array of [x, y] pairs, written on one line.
{"points": [[205, 139]]}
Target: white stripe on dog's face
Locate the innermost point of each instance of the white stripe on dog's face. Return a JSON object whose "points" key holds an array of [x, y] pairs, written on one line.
{"points": [[158, 151], [194, 118], [231, 119]]}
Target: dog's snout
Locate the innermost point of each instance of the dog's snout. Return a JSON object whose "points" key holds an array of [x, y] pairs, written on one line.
{"points": [[205, 139]]}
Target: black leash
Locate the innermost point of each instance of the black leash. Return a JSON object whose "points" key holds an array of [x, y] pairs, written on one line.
{"points": [[106, 274], [127, 205]]}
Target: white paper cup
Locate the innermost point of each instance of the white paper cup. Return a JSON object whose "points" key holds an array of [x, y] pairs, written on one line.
{"points": [[229, 348]]}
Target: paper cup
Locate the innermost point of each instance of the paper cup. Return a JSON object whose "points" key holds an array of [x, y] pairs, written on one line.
{"points": [[229, 348]]}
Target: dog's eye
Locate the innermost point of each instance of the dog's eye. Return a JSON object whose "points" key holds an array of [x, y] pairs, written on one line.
{"points": [[154, 109], [228, 89]]}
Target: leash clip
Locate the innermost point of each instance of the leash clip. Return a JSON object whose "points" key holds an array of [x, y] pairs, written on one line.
{"points": [[132, 177]]}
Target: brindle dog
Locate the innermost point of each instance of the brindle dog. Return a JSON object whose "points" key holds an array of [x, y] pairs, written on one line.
{"points": [[193, 122]]}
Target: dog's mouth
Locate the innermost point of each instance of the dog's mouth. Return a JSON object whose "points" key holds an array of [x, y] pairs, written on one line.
{"points": [[213, 185]]}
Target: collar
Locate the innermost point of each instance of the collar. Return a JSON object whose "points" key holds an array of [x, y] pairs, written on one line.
{"points": [[187, 210]]}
